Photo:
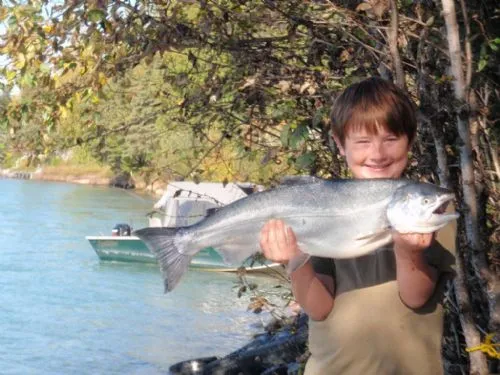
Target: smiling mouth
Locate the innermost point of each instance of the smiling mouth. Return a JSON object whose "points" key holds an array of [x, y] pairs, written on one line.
{"points": [[378, 166]]}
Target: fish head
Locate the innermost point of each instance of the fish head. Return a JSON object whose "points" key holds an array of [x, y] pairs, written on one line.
{"points": [[420, 208]]}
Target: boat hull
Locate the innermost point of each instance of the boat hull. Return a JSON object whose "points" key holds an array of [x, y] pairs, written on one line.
{"points": [[132, 249]]}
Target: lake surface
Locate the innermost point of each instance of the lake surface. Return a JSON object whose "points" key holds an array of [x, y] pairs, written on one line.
{"points": [[62, 311]]}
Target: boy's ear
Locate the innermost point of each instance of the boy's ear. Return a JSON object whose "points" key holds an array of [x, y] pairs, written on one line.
{"points": [[339, 144], [411, 144]]}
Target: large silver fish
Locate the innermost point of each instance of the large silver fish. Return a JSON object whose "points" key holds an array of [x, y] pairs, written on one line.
{"points": [[334, 219]]}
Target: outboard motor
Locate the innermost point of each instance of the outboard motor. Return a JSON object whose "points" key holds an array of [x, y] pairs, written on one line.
{"points": [[211, 211], [121, 230]]}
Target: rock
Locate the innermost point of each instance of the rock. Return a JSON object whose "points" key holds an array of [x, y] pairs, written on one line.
{"points": [[193, 366], [269, 353], [124, 181]]}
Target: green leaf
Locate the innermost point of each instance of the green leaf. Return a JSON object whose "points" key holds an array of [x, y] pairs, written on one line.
{"points": [[96, 15], [483, 52], [10, 75], [12, 21], [317, 118], [28, 80], [350, 69], [482, 64], [304, 161], [285, 135], [20, 61], [45, 68], [298, 136]]}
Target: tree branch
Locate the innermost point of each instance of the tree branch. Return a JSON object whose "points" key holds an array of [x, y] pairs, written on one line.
{"points": [[392, 35], [468, 48]]}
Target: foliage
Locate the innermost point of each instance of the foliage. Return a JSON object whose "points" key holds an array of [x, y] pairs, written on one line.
{"points": [[4, 135]]}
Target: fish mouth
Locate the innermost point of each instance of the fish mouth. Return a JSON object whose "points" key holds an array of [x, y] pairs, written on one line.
{"points": [[439, 214]]}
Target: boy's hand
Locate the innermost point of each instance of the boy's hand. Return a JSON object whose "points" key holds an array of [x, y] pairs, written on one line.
{"points": [[411, 242], [278, 242], [416, 278]]}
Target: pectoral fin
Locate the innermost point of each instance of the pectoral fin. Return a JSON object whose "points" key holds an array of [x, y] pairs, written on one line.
{"points": [[370, 242], [236, 253], [374, 235]]}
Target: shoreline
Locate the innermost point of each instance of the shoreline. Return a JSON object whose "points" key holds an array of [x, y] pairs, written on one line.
{"points": [[119, 181]]}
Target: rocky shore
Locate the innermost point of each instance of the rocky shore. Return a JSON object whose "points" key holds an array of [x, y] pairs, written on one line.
{"points": [[282, 349]]}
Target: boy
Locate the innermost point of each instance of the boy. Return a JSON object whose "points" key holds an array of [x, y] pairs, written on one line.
{"points": [[380, 313]]}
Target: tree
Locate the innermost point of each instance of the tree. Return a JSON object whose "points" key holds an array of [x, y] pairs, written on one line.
{"points": [[4, 100]]}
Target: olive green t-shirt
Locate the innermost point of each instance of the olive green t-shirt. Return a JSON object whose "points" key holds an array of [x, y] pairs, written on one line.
{"points": [[370, 330]]}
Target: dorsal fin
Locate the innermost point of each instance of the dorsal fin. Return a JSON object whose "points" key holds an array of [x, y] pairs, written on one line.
{"points": [[300, 180]]}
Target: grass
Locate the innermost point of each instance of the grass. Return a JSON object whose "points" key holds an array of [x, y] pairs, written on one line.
{"points": [[78, 170]]}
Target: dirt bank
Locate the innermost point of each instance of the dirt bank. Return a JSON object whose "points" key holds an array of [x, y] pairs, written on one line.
{"points": [[85, 177]]}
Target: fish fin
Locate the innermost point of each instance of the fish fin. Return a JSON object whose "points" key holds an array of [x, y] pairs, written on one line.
{"points": [[372, 241], [373, 235], [297, 262], [235, 254], [299, 180], [162, 243]]}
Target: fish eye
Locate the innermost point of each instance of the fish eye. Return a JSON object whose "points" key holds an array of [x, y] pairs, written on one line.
{"points": [[426, 201]]}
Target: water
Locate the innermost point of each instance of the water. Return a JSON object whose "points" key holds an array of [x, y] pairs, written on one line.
{"points": [[62, 311]]}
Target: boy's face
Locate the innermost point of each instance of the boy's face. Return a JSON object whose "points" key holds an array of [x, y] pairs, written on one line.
{"points": [[381, 155]]}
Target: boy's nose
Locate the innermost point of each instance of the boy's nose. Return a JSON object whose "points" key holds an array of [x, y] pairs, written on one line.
{"points": [[378, 151]]}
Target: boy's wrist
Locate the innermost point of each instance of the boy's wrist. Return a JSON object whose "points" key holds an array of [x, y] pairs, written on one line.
{"points": [[409, 261], [408, 252], [410, 255], [411, 244], [304, 271]]}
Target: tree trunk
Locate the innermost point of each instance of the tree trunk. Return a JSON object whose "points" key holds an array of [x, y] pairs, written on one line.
{"points": [[478, 364]]}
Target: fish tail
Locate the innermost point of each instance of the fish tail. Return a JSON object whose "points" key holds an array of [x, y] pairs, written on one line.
{"points": [[165, 244]]}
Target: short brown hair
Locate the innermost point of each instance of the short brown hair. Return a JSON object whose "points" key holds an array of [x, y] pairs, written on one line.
{"points": [[371, 104]]}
